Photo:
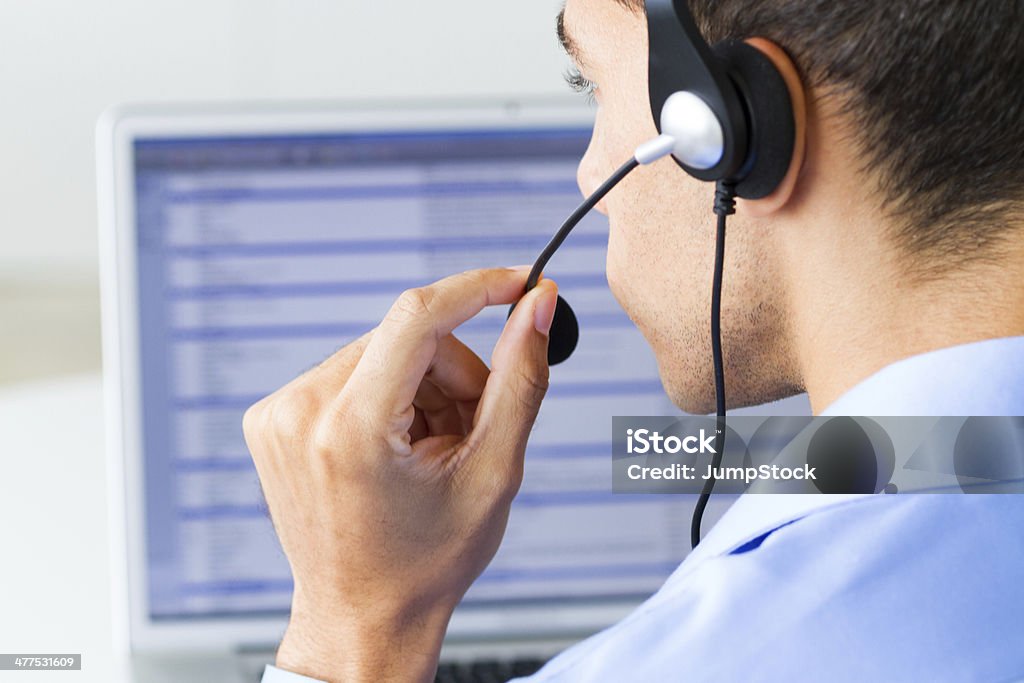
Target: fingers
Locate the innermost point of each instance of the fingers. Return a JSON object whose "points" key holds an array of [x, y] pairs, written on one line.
{"points": [[456, 376], [405, 344], [519, 375], [440, 414], [457, 371], [419, 429]]}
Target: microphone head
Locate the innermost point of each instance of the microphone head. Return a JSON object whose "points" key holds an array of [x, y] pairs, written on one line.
{"points": [[564, 334]]}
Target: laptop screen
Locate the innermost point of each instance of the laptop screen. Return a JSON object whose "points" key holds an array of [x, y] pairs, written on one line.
{"points": [[259, 256]]}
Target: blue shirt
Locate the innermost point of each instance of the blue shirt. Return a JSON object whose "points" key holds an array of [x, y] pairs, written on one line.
{"points": [[843, 588]]}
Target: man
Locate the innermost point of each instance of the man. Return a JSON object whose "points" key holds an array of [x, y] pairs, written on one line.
{"points": [[884, 276]]}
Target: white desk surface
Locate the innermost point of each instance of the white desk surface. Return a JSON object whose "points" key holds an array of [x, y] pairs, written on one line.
{"points": [[54, 572]]}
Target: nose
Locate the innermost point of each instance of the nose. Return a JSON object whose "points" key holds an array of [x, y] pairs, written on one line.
{"points": [[589, 176]]}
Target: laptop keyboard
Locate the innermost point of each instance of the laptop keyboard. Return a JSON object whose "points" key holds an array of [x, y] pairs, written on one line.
{"points": [[486, 670]]}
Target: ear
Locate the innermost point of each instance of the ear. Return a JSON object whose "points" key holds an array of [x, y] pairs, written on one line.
{"points": [[782, 194]]}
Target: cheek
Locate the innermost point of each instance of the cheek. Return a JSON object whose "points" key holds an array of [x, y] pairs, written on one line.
{"points": [[628, 256], [658, 242], [614, 266]]}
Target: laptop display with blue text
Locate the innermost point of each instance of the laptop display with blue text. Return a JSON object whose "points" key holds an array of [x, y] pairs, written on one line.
{"points": [[252, 251]]}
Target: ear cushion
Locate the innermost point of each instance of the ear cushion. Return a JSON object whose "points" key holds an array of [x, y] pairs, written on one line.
{"points": [[771, 125]]}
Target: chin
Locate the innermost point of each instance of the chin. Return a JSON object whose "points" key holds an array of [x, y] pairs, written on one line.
{"points": [[688, 381], [694, 393], [696, 398]]}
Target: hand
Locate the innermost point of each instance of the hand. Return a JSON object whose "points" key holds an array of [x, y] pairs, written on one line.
{"points": [[389, 471]]}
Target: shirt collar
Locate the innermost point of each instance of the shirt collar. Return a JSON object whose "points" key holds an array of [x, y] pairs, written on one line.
{"points": [[756, 514], [982, 378]]}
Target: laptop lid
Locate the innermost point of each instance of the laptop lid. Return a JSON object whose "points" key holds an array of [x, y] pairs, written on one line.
{"points": [[241, 246]]}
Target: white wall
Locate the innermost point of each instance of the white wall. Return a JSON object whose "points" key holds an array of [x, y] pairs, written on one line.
{"points": [[63, 61]]}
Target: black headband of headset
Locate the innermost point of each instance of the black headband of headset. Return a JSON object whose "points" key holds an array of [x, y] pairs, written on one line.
{"points": [[680, 60]]}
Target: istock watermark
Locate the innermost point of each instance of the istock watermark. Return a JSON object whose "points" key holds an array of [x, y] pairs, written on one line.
{"points": [[845, 455]]}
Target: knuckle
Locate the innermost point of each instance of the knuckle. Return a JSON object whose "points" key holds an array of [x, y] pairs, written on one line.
{"points": [[412, 303], [253, 420], [323, 442], [343, 419], [292, 412], [477, 281], [476, 278]]}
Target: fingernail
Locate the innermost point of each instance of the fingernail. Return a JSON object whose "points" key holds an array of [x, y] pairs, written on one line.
{"points": [[528, 266], [544, 310]]}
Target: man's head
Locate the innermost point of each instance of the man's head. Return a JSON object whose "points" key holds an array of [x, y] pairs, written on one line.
{"points": [[909, 166]]}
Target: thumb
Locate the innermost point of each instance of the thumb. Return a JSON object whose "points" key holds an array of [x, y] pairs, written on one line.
{"points": [[519, 371]]}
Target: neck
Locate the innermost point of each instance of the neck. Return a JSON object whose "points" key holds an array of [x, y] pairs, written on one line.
{"points": [[853, 308], [856, 311]]}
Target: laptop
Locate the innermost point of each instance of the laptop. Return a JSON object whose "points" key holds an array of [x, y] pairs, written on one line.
{"points": [[243, 245]]}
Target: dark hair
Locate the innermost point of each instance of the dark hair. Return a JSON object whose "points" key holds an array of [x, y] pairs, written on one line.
{"points": [[935, 89]]}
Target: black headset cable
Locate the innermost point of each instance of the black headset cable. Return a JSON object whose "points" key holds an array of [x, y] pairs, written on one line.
{"points": [[573, 220], [647, 153], [725, 205]]}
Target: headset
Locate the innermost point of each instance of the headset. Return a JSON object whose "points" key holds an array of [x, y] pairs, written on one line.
{"points": [[724, 114]]}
